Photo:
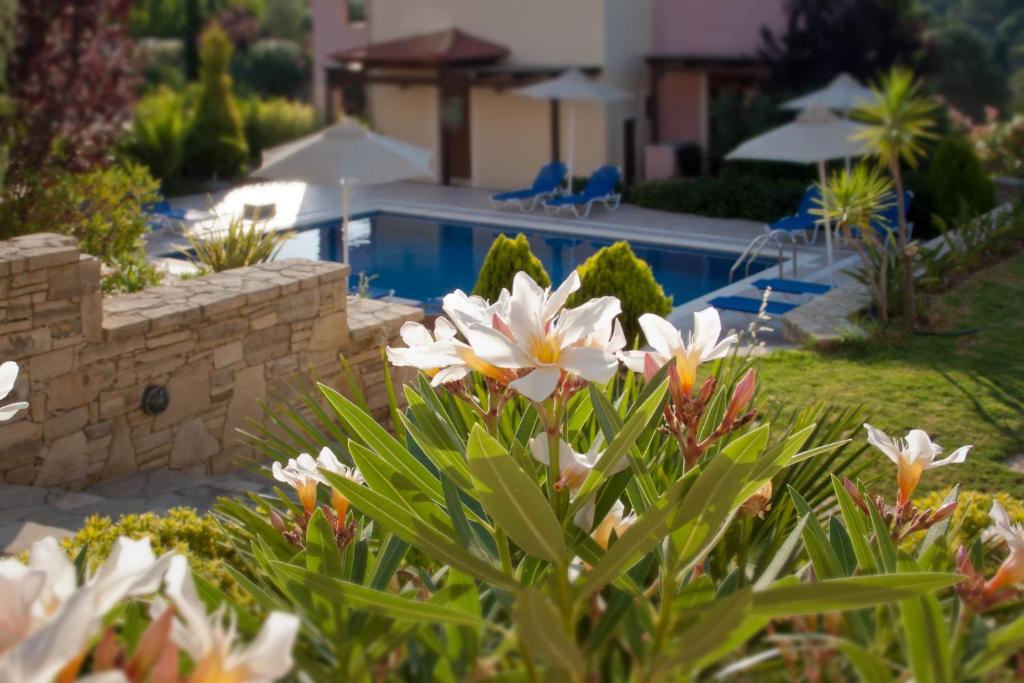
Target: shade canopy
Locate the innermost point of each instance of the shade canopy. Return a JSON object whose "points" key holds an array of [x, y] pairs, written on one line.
{"points": [[345, 153], [816, 135], [574, 86], [450, 47], [843, 94]]}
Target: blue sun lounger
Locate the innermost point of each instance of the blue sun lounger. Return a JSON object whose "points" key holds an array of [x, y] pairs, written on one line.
{"points": [[547, 184], [600, 188], [785, 286], [752, 306], [803, 222]]}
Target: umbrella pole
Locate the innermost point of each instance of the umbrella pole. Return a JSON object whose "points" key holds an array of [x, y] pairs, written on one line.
{"points": [[828, 227], [572, 145], [344, 222]]}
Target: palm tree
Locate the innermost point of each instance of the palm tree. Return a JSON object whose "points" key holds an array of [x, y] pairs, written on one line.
{"points": [[898, 123], [853, 201]]}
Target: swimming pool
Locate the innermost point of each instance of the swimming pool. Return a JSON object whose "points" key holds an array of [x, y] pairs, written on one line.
{"points": [[423, 258]]}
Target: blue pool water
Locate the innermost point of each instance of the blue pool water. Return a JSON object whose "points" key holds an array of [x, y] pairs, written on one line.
{"points": [[423, 258]]}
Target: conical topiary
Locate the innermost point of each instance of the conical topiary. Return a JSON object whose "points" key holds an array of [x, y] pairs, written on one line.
{"points": [[216, 142], [958, 182], [616, 271], [506, 258]]}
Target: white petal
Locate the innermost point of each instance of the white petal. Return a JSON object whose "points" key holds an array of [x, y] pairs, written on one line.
{"points": [[954, 458], [61, 577], [41, 656], [270, 653], [539, 449], [595, 315], [11, 409], [452, 373], [425, 357], [593, 365], [617, 342], [495, 348], [558, 297], [584, 518], [661, 334], [537, 385], [636, 360], [415, 334], [306, 463], [881, 441], [181, 589], [443, 329], [720, 350], [920, 447], [327, 460], [707, 328], [8, 375]]}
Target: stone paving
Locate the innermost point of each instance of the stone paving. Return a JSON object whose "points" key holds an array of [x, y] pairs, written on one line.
{"points": [[29, 513]]}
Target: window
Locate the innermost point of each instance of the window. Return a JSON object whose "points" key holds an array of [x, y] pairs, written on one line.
{"points": [[356, 11]]}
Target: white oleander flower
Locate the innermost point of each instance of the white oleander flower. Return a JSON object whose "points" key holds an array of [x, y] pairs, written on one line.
{"points": [[211, 640], [574, 467], [8, 376], [1011, 571], [702, 345], [301, 474], [912, 456], [545, 340], [616, 520], [441, 355], [47, 619], [329, 462]]}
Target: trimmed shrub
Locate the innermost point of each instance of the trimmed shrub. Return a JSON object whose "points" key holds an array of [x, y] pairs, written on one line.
{"points": [[272, 67], [156, 137], [182, 530], [216, 143], [730, 195], [162, 62], [273, 122], [506, 258], [958, 182], [616, 271]]}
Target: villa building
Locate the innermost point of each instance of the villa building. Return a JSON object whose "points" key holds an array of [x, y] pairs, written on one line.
{"points": [[442, 74]]}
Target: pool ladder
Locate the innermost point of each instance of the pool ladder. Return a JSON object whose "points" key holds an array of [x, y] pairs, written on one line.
{"points": [[756, 247]]}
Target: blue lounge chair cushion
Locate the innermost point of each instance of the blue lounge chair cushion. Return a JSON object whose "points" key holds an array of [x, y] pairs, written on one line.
{"points": [[745, 305], [785, 286], [803, 219], [548, 180], [601, 184]]}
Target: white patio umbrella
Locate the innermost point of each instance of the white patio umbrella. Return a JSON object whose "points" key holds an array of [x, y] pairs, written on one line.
{"points": [[345, 154], [573, 86], [843, 94], [816, 136]]}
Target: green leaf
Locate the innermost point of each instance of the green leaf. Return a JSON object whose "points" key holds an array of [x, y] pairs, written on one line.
{"points": [[375, 601], [823, 557], [716, 495], [999, 646], [514, 500], [927, 642], [539, 626], [856, 525], [323, 557], [870, 667], [418, 532], [842, 545], [647, 532], [786, 598], [711, 634]]}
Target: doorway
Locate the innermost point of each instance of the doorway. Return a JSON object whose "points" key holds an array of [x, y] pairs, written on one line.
{"points": [[454, 114]]}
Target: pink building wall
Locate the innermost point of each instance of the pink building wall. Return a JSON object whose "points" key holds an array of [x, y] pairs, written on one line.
{"points": [[332, 33], [714, 27]]}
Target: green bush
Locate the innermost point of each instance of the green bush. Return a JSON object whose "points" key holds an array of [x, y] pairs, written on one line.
{"points": [[616, 271], [156, 137], [236, 247], [730, 195], [971, 516], [182, 530], [272, 67], [162, 62], [958, 182], [101, 208], [275, 121], [506, 258], [130, 272], [216, 142]]}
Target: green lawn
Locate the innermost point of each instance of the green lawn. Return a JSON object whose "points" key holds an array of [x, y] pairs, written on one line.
{"points": [[960, 389]]}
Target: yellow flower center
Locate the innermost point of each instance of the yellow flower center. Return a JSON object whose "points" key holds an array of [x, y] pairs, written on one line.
{"points": [[686, 369], [211, 669], [340, 504], [908, 474], [502, 375], [307, 494], [546, 348]]}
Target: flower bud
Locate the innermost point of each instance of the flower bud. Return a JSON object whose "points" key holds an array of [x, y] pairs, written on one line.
{"points": [[742, 395], [760, 502]]}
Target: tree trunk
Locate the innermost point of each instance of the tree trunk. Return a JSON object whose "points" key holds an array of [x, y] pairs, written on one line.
{"points": [[909, 302]]}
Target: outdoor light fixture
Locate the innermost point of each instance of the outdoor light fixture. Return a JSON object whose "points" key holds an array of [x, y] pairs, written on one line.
{"points": [[155, 399]]}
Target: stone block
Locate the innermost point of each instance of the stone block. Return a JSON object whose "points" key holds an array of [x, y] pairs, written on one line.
{"points": [[330, 332], [264, 321], [155, 342], [224, 331], [189, 389], [228, 354], [64, 461], [91, 307], [193, 445], [250, 389], [121, 458], [266, 344], [63, 424], [25, 344], [46, 366]]}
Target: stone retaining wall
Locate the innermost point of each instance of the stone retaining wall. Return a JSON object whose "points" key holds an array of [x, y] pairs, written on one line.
{"points": [[217, 345]]}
